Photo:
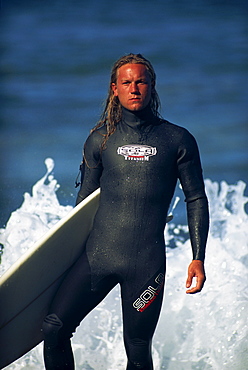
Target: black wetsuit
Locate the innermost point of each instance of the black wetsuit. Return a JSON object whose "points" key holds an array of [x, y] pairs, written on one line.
{"points": [[137, 173]]}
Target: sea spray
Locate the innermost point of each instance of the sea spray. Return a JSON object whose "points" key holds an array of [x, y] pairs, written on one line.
{"points": [[37, 214], [209, 330], [203, 331]]}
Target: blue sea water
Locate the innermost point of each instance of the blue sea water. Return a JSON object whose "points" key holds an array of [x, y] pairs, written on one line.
{"points": [[55, 62]]}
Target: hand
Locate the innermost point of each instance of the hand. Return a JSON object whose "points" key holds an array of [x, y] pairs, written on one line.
{"points": [[195, 269]]}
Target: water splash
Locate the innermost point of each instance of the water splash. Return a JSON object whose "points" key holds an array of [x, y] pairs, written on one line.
{"points": [[204, 331], [37, 214]]}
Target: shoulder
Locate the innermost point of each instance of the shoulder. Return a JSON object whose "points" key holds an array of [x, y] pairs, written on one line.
{"points": [[96, 137], [179, 133]]}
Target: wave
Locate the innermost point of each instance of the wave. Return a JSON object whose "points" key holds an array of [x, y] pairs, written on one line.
{"points": [[203, 331]]}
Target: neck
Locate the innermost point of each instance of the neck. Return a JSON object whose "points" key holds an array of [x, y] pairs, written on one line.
{"points": [[137, 118]]}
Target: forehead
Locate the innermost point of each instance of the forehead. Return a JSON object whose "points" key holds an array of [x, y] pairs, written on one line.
{"points": [[132, 70]]}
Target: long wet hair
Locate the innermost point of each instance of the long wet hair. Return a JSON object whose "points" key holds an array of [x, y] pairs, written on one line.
{"points": [[112, 112]]}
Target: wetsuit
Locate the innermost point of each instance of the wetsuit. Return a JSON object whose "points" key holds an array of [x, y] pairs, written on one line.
{"points": [[137, 172]]}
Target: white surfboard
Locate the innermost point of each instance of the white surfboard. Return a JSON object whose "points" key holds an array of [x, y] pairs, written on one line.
{"points": [[27, 288]]}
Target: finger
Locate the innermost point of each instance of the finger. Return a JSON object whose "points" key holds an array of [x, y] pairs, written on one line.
{"points": [[198, 287], [189, 281], [191, 275], [193, 290]]}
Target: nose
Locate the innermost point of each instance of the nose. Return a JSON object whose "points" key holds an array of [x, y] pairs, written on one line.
{"points": [[134, 88]]}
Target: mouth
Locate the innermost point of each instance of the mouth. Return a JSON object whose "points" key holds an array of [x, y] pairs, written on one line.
{"points": [[134, 99]]}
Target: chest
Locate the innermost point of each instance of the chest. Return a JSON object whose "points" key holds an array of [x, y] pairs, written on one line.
{"points": [[152, 149]]}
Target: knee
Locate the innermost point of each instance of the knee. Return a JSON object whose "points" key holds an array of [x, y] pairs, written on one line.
{"points": [[51, 328], [139, 354]]}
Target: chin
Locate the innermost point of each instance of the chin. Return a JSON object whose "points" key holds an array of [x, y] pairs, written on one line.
{"points": [[135, 108]]}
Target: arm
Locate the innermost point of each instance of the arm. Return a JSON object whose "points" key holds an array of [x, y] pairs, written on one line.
{"points": [[190, 175], [91, 167], [198, 221]]}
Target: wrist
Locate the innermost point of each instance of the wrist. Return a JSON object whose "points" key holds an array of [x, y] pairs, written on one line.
{"points": [[196, 260]]}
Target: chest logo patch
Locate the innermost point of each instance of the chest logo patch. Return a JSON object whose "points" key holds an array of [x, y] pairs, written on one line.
{"points": [[137, 152]]}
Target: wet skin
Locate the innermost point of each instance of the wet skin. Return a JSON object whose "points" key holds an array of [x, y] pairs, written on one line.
{"points": [[133, 86]]}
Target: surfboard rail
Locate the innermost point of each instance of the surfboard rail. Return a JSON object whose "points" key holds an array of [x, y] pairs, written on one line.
{"points": [[28, 286]]}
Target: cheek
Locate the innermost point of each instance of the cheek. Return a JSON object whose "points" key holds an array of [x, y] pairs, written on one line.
{"points": [[121, 93], [148, 93]]}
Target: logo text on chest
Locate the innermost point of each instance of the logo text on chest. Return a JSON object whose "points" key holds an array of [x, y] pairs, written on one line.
{"points": [[137, 152]]}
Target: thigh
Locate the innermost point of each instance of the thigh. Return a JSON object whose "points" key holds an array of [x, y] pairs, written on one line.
{"points": [[141, 310], [75, 298]]}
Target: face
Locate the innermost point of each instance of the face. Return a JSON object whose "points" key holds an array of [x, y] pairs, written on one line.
{"points": [[133, 86]]}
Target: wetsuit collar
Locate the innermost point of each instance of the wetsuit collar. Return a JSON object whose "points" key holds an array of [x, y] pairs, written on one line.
{"points": [[138, 119]]}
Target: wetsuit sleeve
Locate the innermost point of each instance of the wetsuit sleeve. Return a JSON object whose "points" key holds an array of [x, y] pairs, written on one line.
{"points": [[91, 168], [191, 179]]}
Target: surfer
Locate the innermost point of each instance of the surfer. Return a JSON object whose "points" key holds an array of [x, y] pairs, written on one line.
{"points": [[136, 157]]}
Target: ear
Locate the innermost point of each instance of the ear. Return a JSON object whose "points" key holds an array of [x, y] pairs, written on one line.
{"points": [[114, 89]]}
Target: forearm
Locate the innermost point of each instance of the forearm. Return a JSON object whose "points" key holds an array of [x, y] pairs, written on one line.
{"points": [[90, 181], [198, 222], [80, 197]]}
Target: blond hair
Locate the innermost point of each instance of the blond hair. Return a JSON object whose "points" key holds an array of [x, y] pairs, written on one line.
{"points": [[112, 112]]}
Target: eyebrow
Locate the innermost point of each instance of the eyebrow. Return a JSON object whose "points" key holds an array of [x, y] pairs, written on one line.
{"points": [[138, 79]]}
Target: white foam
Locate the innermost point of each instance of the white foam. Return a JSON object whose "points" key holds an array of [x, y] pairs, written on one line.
{"points": [[203, 331]]}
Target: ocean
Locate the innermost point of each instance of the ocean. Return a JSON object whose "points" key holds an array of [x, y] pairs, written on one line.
{"points": [[55, 63]]}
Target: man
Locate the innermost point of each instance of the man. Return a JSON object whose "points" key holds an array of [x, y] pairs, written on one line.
{"points": [[136, 158]]}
